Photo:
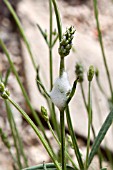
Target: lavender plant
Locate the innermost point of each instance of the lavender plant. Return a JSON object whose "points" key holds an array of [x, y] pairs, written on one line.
{"points": [[60, 95]]}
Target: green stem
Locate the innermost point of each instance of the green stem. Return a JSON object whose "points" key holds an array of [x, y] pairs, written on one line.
{"points": [[9, 115], [7, 76], [102, 46], [44, 142], [63, 148], [62, 66], [72, 91], [57, 140], [21, 86], [54, 120], [24, 92], [42, 86], [50, 44], [58, 19], [92, 127], [89, 123], [74, 140], [51, 68], [18, 138], [21, 31]]}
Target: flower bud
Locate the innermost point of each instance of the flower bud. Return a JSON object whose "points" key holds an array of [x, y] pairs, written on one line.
{"points": [[66, 42], [90, 73], [79, 70], [44, 113]]}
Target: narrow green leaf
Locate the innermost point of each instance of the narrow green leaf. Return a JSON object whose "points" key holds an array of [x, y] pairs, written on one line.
{"points": [[103, 169], [106, 125], [49, 166], [43, 33]]}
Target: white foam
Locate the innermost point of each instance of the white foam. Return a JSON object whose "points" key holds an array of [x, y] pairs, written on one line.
{"points": [[60, 91]]}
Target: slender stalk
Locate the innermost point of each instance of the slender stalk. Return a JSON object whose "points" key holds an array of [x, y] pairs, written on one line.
{"points": [[62, 67], [21, 86], [57, 140], [44, 142], [7, 76], [21, 31], [89, 122], [92, 127], [58, 19], [50, 44], [51, 68], [24, 92], [54, 119], [102, 46], [74, 140], [14, 135], [63, 147], [19, 141]]}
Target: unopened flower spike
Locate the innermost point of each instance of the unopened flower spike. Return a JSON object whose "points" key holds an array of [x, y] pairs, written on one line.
{"points": [[44, 113], [90, 73], [66, 42], [79, 70]]}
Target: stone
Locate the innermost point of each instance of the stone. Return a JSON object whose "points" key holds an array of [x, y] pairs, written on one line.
{"points": [[87, 52]]}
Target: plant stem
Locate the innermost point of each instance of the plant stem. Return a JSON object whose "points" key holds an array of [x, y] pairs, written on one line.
{"points": [[74, 140], [9, 115], [44, 142], [57, 140], [102, 47], [50, 44], [24, 92], [19, 141], [58, 19], [54, 119], [89, 122], [62, 67], [21, 31], [62, 128], [92, 127]]}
